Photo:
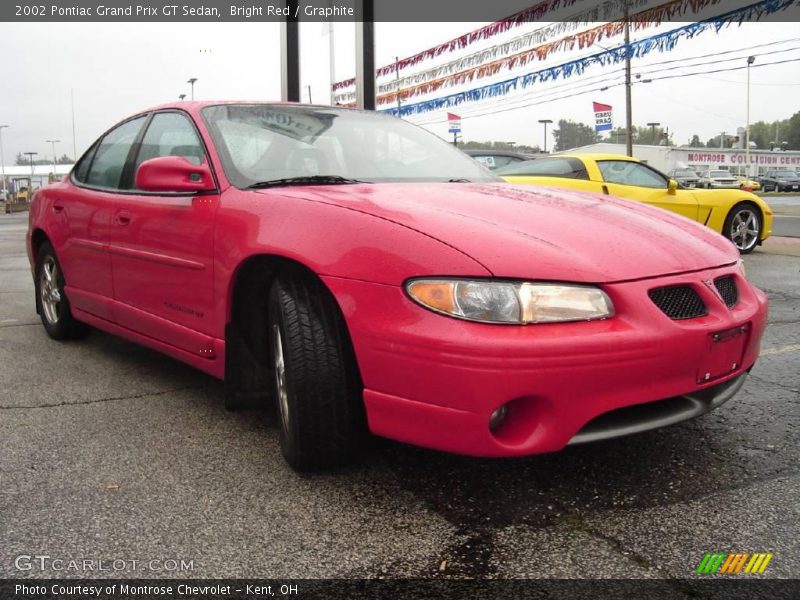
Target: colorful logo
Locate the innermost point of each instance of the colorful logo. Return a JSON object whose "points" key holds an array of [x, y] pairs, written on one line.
{"points": [[734, 563]]}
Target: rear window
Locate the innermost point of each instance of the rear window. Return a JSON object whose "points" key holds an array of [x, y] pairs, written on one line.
{"points": [[571, 168]]}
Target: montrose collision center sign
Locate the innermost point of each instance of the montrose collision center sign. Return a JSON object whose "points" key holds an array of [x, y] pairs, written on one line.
{"points": [[740, 158]]}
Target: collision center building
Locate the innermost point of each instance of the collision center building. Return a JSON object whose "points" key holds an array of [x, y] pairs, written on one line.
{"points": [[702, 160]]}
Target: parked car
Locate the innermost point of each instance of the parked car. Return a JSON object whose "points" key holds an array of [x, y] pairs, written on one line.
{"points": [[718, 180], [364, 275], [780, 181], [748, 183], [687, 178], [740, 216], [494, 159]]}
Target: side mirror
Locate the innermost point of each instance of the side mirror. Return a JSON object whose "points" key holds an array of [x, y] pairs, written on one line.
{"points": [[672, 187], [174, 174]]}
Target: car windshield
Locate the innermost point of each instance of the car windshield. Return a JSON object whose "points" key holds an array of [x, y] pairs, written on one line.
{"points": [[720, 174], [685, 173], [784, 175], [274, 144]]}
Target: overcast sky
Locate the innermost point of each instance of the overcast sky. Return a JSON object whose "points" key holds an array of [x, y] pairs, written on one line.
{"points": [[117, 69]]}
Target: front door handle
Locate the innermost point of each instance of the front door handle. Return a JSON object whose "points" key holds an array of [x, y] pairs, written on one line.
{"points": [[123, 218]]}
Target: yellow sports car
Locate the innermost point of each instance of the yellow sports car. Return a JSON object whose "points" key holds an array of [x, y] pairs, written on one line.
{"points": [[740, 216], [749, 184]]}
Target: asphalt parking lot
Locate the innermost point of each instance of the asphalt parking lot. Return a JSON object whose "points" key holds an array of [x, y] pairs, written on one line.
{"points": [[111, 451]]}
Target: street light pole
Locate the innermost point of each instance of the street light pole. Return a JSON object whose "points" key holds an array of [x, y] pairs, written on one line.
{"points": [[545, 122], [652, 127], [191, 82], [750, 61], [2, 160], [55, 158], [30, 187]]}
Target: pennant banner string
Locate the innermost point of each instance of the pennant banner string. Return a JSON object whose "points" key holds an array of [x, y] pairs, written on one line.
{"points": [[474, 66], [662, 42], [609, 10]]}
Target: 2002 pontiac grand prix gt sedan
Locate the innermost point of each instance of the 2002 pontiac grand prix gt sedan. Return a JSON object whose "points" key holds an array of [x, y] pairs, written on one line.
{"points": [[364, 275]]}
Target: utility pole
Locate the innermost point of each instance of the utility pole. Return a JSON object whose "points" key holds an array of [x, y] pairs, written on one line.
{"points": [[628, 103], [545, 122], [397, 79], [191, 82]]}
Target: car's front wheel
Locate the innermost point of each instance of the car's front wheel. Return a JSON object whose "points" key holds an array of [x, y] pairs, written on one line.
{"points": [[51, 301], [743, 227], [317, 384]]}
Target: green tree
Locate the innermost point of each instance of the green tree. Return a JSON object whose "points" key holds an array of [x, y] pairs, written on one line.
{"points": [[573, 135], [695, 142], [714, 142], [617, 135], [653, 136], [511, 146], [793, 132], [23, 160]]}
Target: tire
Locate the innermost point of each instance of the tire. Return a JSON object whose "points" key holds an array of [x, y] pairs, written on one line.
{"points": [[743, 226], [317, 386], [51, 301]]}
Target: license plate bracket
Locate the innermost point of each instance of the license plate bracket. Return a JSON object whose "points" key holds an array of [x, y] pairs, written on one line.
{"points": [[725, 350]]}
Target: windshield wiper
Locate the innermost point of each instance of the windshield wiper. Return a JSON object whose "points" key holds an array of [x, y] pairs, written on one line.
{"points": [[305, 180], [459, 180]]}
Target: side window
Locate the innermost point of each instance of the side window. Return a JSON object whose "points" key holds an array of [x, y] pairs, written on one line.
{"points": [[502, 161], [82, 169], [111, 154], [487, 161], [630, 173], [170, 134]]}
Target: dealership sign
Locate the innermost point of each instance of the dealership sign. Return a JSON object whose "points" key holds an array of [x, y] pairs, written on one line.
{"points": [[603, 120], [454, 123], [740, 158]]}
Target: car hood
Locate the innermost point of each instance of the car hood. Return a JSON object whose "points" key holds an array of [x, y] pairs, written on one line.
{"points": [[542, 233]]}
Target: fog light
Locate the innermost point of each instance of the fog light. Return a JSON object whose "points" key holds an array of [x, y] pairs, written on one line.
{"points": [[498, 416]]}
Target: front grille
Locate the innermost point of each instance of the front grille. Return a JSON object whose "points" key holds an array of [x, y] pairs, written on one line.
{"points": [[726, 286], [678, 302]]}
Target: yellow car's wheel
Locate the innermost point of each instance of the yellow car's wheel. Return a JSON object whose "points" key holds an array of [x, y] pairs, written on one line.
{"points": [[743, 226]]}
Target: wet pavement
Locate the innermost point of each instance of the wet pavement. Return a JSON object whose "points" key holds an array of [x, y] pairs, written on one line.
{"points": [[112, 451]]}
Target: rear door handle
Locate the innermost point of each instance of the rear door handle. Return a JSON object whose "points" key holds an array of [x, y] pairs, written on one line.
{"points": [[123, 218]]}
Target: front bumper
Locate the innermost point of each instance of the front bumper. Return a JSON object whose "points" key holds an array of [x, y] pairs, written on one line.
{"points": [[434, 381]]}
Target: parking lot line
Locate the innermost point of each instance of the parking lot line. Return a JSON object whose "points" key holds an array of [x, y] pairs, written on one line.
{"points": [[780, 350]]}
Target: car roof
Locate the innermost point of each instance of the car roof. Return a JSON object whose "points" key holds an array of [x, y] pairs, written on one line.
{"points": [[490, 152], [592, 156]]}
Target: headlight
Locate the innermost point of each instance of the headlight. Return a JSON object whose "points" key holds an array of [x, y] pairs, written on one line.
{"points": [[509, 302]]}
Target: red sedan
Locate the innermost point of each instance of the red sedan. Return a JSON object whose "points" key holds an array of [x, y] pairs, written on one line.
{"points": [[364, 275]]}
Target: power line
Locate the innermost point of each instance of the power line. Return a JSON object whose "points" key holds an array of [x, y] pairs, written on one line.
{"points": [[573, 94]]}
